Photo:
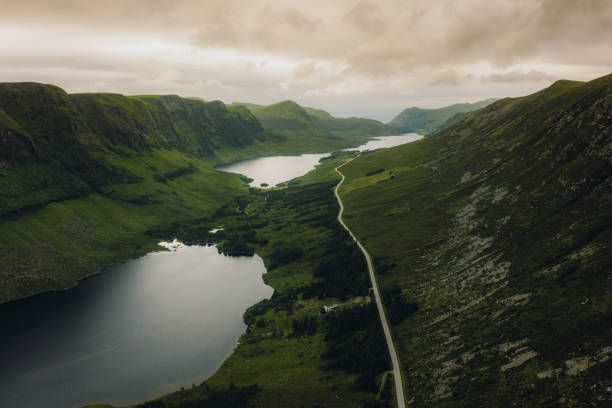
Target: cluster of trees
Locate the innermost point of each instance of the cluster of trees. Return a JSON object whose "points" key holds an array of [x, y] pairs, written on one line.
{"points": [[283, 255], [306, 325], [342, 268], [238, 244], [355, 343], [251, 238], [354, 337], [204, 397], [398, 308], [235, 247]]}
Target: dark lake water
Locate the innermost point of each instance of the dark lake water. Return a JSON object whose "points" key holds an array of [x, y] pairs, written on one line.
{"points": [[139, 329], [278, 169]]}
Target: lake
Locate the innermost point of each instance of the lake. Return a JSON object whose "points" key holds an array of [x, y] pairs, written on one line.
{"points": [[145, 327], [278, 169], [136, 331]]}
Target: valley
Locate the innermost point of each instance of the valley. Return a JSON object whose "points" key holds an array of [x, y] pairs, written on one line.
{"points": [[499, 230], [346, 204], [97, 171], [494, 280], [166, 189], [489, 241]]}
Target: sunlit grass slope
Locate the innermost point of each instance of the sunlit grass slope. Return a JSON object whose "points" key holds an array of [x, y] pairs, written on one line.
{"points": [[499, 229]]}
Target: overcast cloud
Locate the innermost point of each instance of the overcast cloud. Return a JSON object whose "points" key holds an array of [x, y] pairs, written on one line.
{"points": [[368, 58]]}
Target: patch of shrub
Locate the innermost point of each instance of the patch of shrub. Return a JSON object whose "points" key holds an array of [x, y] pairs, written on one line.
{"points": [[373, 172], [398, 308], [284, 255], [355, 343]]}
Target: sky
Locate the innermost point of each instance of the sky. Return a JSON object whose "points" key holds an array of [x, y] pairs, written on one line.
{"points": [[352, 58]]}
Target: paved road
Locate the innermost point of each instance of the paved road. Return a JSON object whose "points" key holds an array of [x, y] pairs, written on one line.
{"points": [[399, 389]]}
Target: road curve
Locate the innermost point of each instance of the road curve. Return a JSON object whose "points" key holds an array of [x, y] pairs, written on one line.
{"points": [[399, 389]]}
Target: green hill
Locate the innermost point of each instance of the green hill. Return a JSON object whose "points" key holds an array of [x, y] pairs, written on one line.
{"points": [[430, 121], [84, 171], [287, 116], [499, 230], [83, 177], [293, 121], [73, 143]]}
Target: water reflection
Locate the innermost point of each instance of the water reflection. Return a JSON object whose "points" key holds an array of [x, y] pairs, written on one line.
{"points": [[270, 171], [125, 335]]}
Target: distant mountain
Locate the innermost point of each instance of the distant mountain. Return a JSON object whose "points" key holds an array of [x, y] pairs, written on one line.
{"points": [[289, 118], [430, 121], [500, 229]]}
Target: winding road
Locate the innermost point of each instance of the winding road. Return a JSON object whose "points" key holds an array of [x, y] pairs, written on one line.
{"points": [[399, 389]]}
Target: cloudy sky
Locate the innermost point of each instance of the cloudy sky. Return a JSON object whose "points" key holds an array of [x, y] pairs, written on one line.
{"points": [[368, 58]]}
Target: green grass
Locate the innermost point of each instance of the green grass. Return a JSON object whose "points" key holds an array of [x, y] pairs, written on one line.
{"points": [[287, 367], [52, 247], [83, 176], [496, 232], [499, 229], [93, 179]]}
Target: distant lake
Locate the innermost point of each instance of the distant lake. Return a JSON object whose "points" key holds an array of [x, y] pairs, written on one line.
{"points": [[273, 170], [144, 327], [136, 331], [384, 142]]}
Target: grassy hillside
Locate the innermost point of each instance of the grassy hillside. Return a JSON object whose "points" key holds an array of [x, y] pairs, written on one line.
{"points": [[294, 121], [82, 177], [293, 354], [62, 241], [499, 231], [430, 121]]}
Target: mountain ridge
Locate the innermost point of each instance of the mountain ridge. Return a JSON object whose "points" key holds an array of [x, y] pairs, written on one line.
{"points": [[430, 121], [491, 245], [289, 117], [97, 170]]}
